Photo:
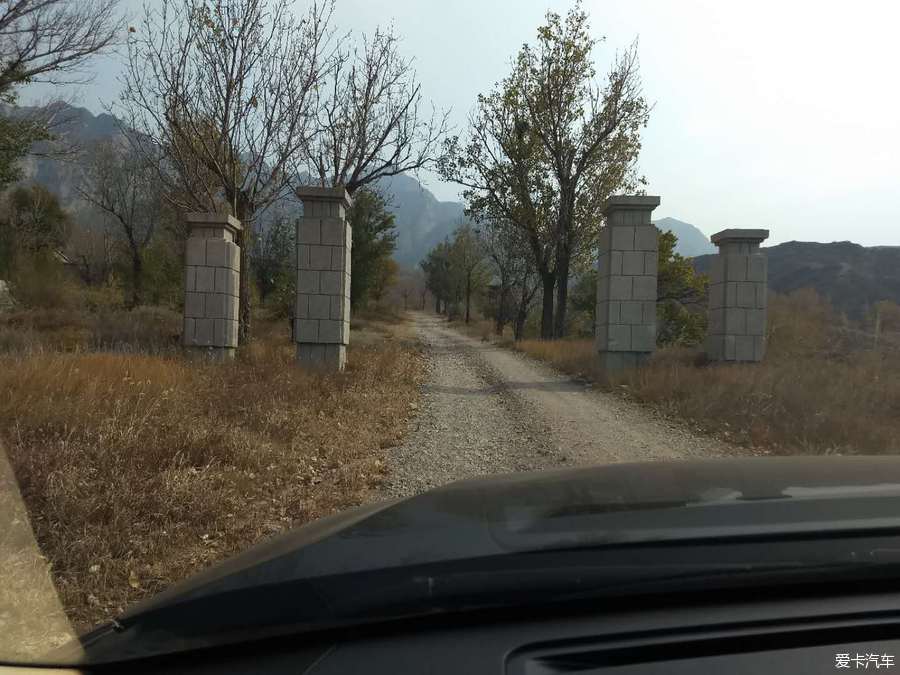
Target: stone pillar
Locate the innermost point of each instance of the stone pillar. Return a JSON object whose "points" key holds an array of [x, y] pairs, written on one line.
{"points": [[626, 283], [737, 297], [212, 280], [322, 309]]}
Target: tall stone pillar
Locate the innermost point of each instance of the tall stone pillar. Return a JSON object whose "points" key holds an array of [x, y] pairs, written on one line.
{"points": [[322, 310], [737, 297], [212, 280], [626, 283]]}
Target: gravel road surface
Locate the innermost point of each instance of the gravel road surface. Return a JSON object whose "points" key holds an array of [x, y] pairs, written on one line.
{"points": [[487, 409]]}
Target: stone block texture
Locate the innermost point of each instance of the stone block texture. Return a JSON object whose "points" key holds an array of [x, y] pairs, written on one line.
{"points": [[322, 308], [626, 283], [737, 297], [212, 280]]}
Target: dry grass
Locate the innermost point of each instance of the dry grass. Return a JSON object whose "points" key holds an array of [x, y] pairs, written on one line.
{"points": [[481, 329], [140, 469], [145, 329], [821, 388], [576, 357]]}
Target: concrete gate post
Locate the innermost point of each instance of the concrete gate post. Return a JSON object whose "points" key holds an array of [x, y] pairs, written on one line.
{"points": [[322, 309], [737, 297], [212, 280], [626, 283]]}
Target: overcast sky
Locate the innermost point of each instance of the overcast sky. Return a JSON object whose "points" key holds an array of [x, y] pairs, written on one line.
{"points": [[783, 115]]}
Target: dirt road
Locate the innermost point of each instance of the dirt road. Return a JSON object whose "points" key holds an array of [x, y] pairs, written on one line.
{"points": [[487, 410]]}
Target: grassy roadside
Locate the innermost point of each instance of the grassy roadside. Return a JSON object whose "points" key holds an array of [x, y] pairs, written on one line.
{"points": [[138, 469], [821, 389]]}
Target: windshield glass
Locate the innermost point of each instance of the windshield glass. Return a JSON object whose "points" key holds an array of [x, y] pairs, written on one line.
{"points": [[266, 262]]}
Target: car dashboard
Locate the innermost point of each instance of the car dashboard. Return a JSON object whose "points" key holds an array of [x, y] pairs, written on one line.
{"points": [[778, 630]]}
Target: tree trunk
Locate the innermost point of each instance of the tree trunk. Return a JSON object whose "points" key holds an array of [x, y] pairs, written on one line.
{"points": [[502, 305], [244, 213], [137, 277], [244, 315], [468, 293], [437, 304], [548, 280], [562, 291], [521, 318], [519, 327]]}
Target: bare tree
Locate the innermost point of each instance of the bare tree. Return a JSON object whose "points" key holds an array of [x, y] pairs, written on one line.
{"points": [[90, 247], [370, 121], [47, 41], [52, 40], [122, 184], [224, 94]]}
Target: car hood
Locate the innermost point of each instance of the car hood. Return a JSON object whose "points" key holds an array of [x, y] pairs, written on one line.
{"points": [[571, 508], [366, 558]]}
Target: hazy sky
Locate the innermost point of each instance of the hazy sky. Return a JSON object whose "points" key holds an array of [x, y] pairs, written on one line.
{"points": [[783, 115]]}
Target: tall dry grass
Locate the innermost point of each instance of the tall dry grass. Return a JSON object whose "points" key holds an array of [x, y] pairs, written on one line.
{"points": [[139, 469], [573, 356], [821, 388], [144, 329]]}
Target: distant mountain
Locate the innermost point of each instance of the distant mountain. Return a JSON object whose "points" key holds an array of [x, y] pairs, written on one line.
{"points": [[421, 220], [691, 241], [851, 276], [77, 129]]}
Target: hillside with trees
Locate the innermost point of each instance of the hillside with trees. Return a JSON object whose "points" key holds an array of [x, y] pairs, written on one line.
{"points": [[851, 277]]}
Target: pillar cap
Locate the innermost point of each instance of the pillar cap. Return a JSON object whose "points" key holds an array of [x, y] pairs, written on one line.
{"points": [[213, 219], [752, 236], [630, 203], [316, 193]]}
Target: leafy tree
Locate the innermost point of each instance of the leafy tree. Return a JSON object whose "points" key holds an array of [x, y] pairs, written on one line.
{"points": [[681, 296], [589, 131], [549, 145], [374, 241], [273, 258], [502, 170], [436, 267], [385, 277], [163, 269], [32, 222], [513, 270], [16, 137], [467, 265], [583, 299], [33, 230], [456, 270]]}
